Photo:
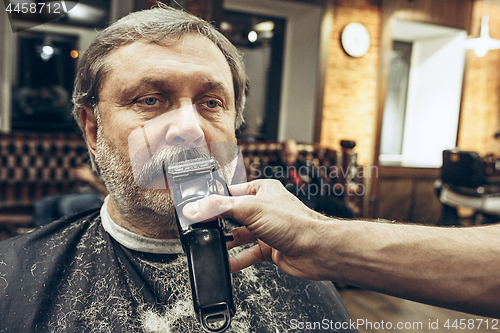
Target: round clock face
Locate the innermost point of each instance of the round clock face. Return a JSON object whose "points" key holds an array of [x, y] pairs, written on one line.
{"points": [[355, 39]]}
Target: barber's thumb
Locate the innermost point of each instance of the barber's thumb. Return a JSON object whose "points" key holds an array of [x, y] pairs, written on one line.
{"points": [[209, 208], [191, 210]]}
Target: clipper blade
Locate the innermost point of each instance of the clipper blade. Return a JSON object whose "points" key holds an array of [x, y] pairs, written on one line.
{"points": [[191, 167]]}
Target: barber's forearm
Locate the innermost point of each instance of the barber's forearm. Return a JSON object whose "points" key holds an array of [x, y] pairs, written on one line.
{"points": [[451, 267]]}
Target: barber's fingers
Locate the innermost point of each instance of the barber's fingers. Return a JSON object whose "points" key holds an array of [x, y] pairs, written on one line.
{"points": [[248, 257], [260, 187], [239, 189], [241, 236], [245, 258], [213, 206], [243, 198], [251, 187]]}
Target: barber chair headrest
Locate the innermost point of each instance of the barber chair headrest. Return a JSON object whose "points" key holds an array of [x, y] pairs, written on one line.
{"points": [[463, 168]]}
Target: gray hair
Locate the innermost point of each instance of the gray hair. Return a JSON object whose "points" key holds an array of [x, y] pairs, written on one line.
{"points": [[159, 25]]}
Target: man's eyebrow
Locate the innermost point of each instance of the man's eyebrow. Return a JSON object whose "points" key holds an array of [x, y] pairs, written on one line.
{"points": [[214, 85], [148, 82], [208, 84], [153, 82], [217, 86], [129, 90], [161, 84]]}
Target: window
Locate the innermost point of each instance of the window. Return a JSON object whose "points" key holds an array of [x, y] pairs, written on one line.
{"points": [[423, 102], [260, 39], [395, 100], [41, 95]]}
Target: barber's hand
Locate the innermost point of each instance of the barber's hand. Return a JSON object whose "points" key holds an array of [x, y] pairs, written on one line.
{"points": [[287, 231]]}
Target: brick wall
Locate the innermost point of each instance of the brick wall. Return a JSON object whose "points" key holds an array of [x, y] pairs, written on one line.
{"points": [[351, 102], [479, 119], [351, 83]]}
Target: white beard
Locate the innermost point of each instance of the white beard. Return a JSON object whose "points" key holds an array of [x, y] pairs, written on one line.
{"points": [[154, 208], [179, 316]]}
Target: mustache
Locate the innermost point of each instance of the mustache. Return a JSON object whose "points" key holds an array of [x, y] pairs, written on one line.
{"points": [[155, 167]]}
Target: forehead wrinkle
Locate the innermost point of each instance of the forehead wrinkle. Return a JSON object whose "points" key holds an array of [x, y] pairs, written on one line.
{"points": [[167, 80], [207, 85]]}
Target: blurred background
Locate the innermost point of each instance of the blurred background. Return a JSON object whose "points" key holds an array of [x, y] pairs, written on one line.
{"points": [[416, 100], [415, 90]]}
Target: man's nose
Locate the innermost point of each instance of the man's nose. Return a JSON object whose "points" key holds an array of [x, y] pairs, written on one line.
{"points": [[185, 129]]}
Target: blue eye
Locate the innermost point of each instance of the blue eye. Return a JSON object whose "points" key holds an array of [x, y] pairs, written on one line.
{"points": [[151, 101], [212, 104]]}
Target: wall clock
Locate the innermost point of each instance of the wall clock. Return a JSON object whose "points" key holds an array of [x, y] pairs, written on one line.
{"points": [[355, 39]]}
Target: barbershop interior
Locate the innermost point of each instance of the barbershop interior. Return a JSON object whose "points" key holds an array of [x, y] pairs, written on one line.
{"points": [[395, 105]]}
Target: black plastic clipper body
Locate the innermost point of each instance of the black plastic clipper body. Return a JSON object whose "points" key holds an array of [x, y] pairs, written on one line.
{"points": [[204, 244]]}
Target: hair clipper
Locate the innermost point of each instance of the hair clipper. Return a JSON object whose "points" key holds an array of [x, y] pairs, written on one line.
{"points": [[203, 243]]}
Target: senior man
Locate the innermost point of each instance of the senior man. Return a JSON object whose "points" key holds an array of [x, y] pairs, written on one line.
{"points": [[173, 80]]}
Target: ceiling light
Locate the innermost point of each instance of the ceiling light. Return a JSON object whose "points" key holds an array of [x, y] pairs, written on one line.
{"points": [[484, 43], [264, 26], [252, 36], [225, 25], [81, 13], [48, 50], [45, 56]]}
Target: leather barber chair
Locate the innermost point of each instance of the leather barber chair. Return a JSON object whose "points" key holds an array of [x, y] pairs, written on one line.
{"points": [[467, 180]]}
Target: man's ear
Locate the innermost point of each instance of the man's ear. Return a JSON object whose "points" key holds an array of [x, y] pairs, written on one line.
{"points": [[89, 123]]}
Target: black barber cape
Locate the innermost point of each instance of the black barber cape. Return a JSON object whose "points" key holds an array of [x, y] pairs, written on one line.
{"points": [[72, 276]]}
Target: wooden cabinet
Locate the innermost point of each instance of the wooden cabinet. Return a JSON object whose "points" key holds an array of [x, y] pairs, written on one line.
{"points": [[408, 195]]}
